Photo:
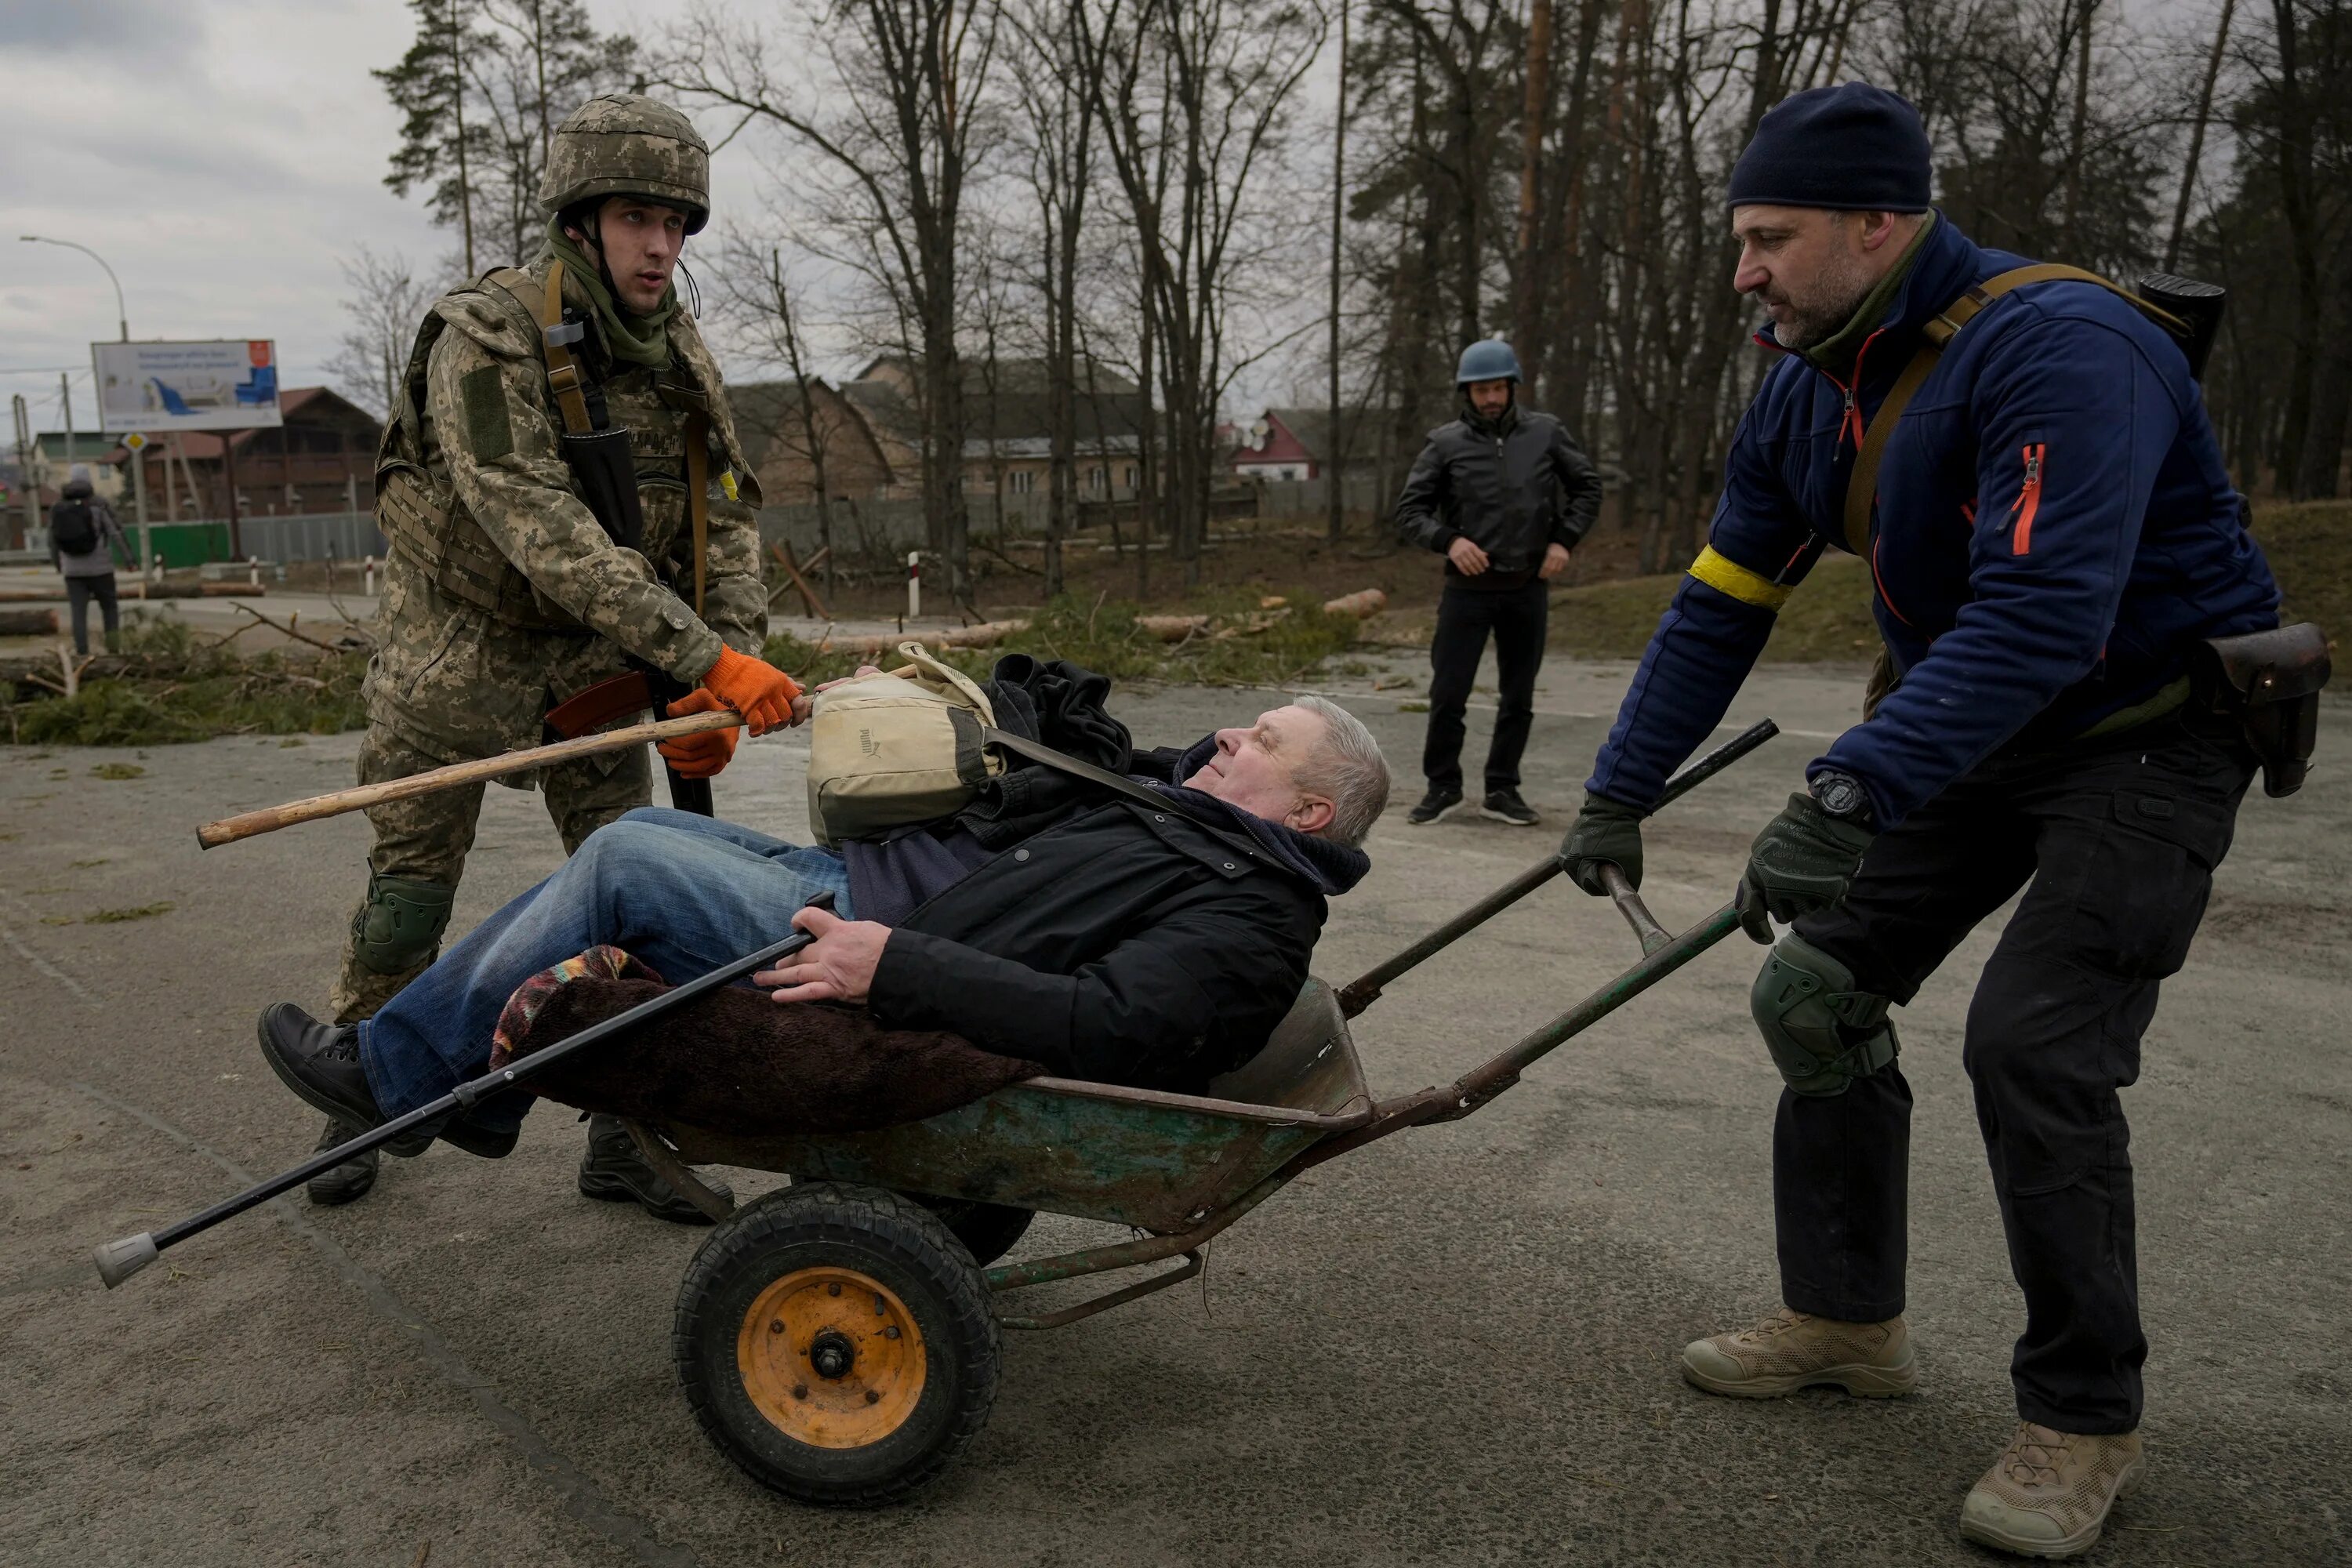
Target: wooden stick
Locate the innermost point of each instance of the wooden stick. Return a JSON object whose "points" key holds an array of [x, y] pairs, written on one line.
{"points": [[269, 819], [808, 594]]}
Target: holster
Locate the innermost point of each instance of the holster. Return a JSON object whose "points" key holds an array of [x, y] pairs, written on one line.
{"points": [[2270, 683]]}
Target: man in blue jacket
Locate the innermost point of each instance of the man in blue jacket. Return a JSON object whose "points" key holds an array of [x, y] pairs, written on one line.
{"points": [[2054, 531]]}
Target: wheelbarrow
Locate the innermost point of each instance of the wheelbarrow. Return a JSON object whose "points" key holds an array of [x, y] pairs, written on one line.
{"points": [[840, 1338]]}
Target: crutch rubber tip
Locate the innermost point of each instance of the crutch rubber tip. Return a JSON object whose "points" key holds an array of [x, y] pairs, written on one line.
{"points": [[118, 1260]]}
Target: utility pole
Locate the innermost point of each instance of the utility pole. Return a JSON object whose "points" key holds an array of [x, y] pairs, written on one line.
{"points": [[65, 396], [1332, 444], [24, 413]]}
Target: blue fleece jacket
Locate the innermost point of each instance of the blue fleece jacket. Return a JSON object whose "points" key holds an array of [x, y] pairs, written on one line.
{"points": [[2054, 529]]}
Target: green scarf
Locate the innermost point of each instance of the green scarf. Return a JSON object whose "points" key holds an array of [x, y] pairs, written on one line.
{"points": [[638, 340], [1835, 354]]}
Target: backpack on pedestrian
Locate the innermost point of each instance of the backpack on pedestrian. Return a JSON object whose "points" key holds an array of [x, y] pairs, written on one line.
{"points": [[73, 526]]}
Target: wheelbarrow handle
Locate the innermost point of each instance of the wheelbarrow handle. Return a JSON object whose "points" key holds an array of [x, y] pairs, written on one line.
{"points": [[118, 1261], [1365, 989], [1482, 1083]]}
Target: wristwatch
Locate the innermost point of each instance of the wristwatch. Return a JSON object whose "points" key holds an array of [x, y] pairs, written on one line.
{"points": [[1841, 795]]}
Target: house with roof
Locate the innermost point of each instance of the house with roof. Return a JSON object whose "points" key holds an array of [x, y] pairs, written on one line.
{"points": [[1298, 444], [783, 441], [1008, 439], [322, 460]]}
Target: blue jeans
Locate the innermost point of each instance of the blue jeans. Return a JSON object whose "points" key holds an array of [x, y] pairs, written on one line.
{"points": [[682, 893]]}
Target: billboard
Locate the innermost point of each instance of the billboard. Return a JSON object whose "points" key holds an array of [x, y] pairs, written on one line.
{"points": [[226, 385]]}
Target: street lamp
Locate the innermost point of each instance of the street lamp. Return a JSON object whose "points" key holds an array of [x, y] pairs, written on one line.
{"points": [[121, 316]]}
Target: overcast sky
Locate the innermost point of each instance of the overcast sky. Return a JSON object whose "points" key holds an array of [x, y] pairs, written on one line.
{"points": [[220, 155]]}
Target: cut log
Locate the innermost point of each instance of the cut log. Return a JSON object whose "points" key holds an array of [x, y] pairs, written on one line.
{"points": [[1171, 628], [1363, 605], [28, 623]]}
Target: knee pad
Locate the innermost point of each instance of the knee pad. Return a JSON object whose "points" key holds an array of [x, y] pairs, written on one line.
{"points": [[1822, 1032], [401, 923]]}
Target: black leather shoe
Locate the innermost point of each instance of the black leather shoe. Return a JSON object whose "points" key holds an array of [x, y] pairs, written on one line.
{"points": [[613, 1169], [349, 1182], [321, 1062]]}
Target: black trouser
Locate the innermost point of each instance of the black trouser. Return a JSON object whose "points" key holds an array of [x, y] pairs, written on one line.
{"points": [[79, 592], [1464, 616], [2119, 839]]}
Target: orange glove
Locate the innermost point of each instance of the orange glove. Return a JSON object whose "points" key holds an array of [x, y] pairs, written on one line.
{"points": [[753, 688], [698, 756]]}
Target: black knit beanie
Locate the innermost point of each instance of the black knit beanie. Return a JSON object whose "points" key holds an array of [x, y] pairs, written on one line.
{"points": [[1854, 147]]}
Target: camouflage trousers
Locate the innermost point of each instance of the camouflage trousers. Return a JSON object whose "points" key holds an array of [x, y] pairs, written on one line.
{"points": [[426, 839]]}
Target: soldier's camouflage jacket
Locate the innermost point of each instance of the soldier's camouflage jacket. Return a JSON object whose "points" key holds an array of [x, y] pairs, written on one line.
{"points": [[503, 595]]}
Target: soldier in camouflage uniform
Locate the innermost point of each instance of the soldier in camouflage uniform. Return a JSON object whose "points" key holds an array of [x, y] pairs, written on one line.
{"points": [[504, 595]]}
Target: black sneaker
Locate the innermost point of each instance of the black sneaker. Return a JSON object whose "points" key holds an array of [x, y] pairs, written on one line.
{"points": [[613, 1169], [1435, 806], [349, 1182], [1505, 806]]}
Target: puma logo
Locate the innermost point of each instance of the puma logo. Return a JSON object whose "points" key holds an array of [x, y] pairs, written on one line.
{"points": [[868, 745]]}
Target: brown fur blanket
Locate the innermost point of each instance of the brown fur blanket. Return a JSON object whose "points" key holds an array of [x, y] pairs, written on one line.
{"points": [[736, 1063]]}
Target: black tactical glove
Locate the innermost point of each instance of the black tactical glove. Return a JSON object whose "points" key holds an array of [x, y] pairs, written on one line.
{"points": [[1800, 863], [1605, 830]]}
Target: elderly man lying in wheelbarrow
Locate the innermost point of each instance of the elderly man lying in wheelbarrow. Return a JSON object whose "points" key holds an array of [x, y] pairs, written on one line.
{"points": [[1051, 920]]}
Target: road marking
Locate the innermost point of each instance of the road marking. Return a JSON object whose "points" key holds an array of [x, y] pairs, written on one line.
{"points": [[583, 1500]]}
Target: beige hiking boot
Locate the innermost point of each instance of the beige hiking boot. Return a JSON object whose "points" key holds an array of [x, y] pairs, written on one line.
{"points": [[2049, 1493], [1791, 1350]]}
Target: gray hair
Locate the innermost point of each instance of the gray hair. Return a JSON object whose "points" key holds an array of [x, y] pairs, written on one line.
{"points": [[1347, 767]]}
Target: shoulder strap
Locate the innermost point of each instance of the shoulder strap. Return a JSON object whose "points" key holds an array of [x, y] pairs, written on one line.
{"points": [[555, 337], [1063, 762], [1862, 485]]}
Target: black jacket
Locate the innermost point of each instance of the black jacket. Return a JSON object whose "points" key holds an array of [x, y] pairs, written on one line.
{"points": [[1111, 941], [1512, 487]]}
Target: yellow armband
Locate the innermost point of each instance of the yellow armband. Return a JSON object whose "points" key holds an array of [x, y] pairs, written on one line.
{"points": [[1725, 576]]}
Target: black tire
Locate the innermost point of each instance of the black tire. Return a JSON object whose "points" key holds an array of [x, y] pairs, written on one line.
{"points": [[988, 1231], [818, 1232]]}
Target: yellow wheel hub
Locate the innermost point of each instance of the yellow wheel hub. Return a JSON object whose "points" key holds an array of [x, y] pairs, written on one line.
{"points": [[832, 1357]]}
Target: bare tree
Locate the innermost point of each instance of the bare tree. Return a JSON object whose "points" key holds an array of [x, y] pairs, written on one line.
{"points": [[888, 95], [1195, 98], [382, 311]]}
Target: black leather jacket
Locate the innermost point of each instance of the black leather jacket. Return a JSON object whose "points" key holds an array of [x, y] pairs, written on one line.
{"points": [[1511, 485], [1111, 941]]}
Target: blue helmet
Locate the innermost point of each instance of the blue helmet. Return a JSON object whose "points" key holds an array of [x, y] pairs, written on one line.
{"points": [[1489, 359]]}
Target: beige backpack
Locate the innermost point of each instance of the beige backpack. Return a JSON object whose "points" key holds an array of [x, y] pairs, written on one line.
{"points": [[908, 745]]}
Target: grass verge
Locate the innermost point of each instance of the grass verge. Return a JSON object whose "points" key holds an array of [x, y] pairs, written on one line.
{"points": [[1242, 645], [1827, 619], [180, 686]]}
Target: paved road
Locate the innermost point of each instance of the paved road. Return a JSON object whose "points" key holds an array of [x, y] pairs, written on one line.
{"points": [[1456, 1347]]}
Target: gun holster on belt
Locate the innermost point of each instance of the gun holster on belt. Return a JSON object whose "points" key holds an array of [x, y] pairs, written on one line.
{"points": [[2270, 682]]}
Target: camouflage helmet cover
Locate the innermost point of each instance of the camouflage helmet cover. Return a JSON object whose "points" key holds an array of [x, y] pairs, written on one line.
{"points": [[626, 145]]}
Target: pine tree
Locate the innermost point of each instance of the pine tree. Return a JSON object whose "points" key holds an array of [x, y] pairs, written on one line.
{"points": [[481, 89]]}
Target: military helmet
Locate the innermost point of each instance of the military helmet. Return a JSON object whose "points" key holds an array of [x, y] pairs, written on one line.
{"points": [[1489, 359], [625, 145]]}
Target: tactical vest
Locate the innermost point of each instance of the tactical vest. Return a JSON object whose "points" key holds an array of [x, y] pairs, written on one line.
{"points": [[424, 519]]}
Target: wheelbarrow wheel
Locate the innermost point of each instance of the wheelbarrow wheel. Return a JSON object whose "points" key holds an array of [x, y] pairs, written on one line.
{"points": [[836, 1343], [988, 1231]]}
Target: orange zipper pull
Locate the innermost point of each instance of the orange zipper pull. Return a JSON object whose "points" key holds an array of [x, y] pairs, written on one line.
{"points": [[2028, 500]]}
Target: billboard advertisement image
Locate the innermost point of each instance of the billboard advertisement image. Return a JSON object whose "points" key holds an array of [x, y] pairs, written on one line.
{"points": [[231, 384]]}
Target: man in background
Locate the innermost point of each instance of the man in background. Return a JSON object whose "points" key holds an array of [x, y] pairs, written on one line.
{"points": [[83, 537], [1503, 493]]}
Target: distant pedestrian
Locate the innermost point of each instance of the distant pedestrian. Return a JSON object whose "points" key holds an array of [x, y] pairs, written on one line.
{"points": [[83, 536], [1503, 493]]}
